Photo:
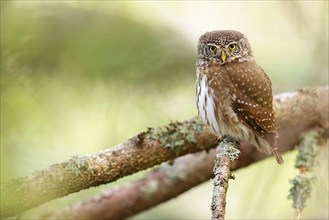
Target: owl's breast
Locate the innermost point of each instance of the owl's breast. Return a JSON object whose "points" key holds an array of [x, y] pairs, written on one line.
{"points": [[205, 99], [214, 103]]}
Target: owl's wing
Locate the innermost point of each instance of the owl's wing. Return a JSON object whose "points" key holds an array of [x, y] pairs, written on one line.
{"points": [[252, 99], [265, 129]]}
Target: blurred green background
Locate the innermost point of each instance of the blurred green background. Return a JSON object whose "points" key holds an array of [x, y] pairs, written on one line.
{"points": [[81, 76]]}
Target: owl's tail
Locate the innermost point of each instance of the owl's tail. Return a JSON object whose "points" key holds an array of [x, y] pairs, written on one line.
{"points": [[277, 155], [266, 147]]}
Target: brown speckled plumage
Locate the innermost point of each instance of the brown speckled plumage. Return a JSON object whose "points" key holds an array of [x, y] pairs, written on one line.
{"points": [[233, 94]]}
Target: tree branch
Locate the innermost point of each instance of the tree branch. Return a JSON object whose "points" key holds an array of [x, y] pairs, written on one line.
{"points": [[138, 153], [151, 148], [160, 185], [166, 182]]}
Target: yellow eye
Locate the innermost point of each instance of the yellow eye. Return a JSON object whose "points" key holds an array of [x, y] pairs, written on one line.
{"points": [[232, 46], [212, 49]]}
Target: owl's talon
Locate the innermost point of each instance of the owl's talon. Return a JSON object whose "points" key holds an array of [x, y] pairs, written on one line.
{"points": [[220, 139]]}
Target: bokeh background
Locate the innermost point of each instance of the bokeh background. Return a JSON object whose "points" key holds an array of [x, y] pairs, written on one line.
{"points": [[78, 77]]}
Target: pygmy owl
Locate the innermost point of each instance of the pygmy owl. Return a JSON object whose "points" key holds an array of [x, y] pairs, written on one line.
{"points": [[233, 94]]}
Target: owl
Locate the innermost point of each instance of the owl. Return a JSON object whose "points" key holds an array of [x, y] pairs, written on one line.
{"points": [[233, 93]]}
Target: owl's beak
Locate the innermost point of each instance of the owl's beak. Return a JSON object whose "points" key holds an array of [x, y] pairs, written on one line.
{"points": [[223, 56]]}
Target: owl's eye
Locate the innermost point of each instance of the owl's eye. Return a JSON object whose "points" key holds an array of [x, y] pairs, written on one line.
{"points": [[212, 49], [232, 46]]}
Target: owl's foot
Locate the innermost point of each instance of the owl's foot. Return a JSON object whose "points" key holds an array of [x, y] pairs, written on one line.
{"points": [[230, 139], [220, 139]]}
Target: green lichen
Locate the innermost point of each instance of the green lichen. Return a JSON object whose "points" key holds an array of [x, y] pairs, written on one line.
{"points": [[305, 160], [300, 191], [228, 147], [307, 150], [76, 164], [176, 134]]}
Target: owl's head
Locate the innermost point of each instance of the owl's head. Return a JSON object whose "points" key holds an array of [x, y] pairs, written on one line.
{"points": [[224, 46]]}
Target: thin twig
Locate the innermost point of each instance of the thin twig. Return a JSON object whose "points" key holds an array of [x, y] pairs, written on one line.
{"points": [[227, 151]]}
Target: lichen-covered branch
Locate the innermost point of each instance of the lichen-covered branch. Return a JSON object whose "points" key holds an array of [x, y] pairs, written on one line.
{"points": [[161, 184], [145, 150], [227, 151], [197, 168]]}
